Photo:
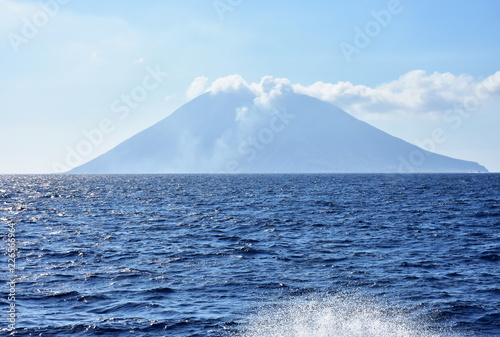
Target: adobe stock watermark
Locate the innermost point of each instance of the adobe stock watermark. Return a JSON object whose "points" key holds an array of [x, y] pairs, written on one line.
{"points": [[454, 119], [31, 26], [224, 6], [12, 279], [365, 35], [121, 108], [253, 145]]}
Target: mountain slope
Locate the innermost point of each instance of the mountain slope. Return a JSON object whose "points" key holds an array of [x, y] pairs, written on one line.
{"points": [[271, 131]]}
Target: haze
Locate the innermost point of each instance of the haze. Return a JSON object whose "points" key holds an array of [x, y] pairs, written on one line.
{"points": [[426, 72]]}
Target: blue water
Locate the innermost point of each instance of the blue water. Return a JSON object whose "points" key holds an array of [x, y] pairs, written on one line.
{"points": [[253, 255]]}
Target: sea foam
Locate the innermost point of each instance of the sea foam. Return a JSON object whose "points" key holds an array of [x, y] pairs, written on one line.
{"points": [[349, 315]]}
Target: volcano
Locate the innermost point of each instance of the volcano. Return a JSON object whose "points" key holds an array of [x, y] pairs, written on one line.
{"points": [[271, 130]]}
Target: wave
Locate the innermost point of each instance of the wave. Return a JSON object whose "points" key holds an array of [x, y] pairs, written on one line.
{"points": [[341, 315]]}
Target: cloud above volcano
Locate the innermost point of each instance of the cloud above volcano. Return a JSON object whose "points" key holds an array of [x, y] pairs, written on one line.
{"points": [[416, 92]]}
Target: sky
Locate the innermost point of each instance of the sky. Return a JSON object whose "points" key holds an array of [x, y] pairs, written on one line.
{"points": [[78, 77]]}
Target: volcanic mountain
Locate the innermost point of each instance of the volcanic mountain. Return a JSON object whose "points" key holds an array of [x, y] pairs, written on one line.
{"points": [[270, 130]]}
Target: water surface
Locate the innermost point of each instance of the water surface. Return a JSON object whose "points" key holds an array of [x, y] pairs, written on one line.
{"points": [[254, 255]]}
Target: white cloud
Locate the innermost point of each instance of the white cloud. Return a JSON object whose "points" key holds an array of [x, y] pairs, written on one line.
{"points": [[251, 116], [168, 98], [266, 91], [415, 93], [269, 89], [198, 87], [491, 83], [408, 107], [232, 83]]}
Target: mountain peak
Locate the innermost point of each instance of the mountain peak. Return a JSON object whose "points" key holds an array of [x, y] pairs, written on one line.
{"points": [[266, 128]]}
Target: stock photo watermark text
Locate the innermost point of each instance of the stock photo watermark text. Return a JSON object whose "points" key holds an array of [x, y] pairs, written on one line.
{"points": [[121, 109], [365, 35], [454, 119], [253, 145], [224, 6], [31, 26], [12, 279]]}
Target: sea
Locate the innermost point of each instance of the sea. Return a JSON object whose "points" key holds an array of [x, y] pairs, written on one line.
{"points": [[250, 255]]}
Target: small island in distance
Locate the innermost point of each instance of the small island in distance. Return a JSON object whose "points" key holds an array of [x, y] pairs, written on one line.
{"points": [[268, 129]]}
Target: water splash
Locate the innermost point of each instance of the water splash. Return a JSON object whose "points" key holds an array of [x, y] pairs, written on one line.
{"points": [[335, 316]]}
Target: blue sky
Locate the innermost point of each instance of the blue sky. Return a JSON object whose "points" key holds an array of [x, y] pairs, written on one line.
{"points": [[67, 64]]}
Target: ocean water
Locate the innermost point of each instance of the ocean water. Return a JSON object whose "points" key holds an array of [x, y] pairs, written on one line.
{"points": [[252, 255]]}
